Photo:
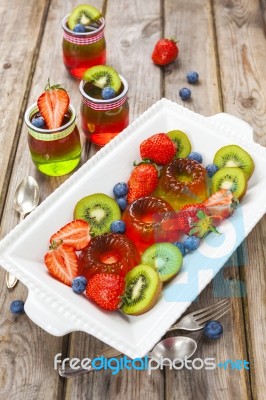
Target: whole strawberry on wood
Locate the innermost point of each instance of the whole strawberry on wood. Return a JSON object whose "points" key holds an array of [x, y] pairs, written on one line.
{"points": [[158, 148], [142, 182], [53, 104], [165, 52]]}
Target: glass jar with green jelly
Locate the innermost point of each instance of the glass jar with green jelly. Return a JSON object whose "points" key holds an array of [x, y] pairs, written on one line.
{"points": [[54, 152]]}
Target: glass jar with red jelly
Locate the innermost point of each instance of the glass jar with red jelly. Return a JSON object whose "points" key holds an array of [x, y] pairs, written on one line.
{"points": [[82, 50], [102, 120]]}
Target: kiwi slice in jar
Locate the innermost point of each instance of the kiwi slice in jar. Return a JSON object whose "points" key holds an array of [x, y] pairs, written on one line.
{"points": [[165, 258], [83, 14], [234, 156], [230, 178], [182, 142], [103, 76], [143, 288], [99, 210]]}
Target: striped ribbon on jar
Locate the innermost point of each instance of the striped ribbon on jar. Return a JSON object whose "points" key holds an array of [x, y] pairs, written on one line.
{"points": [[102, 106], [83, 40]]}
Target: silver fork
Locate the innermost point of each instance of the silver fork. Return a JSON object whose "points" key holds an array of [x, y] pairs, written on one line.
{"points": [[197, 319]]}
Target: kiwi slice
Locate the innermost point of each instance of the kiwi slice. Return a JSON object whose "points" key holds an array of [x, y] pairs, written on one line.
{"points": [[165, 258], [83, 14], [99, 210], [102, 76], [234, 156], [182, 143], [231, 178], [143, 288]]}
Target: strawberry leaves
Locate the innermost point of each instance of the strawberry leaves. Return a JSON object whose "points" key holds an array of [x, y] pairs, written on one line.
{"points": [[203, 226]]}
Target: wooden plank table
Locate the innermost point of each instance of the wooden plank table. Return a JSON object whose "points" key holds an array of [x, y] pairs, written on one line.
{"points": [[225, 42]]}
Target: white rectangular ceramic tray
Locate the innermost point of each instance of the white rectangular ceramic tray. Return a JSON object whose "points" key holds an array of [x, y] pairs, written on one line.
{"points": [[54, 307]]}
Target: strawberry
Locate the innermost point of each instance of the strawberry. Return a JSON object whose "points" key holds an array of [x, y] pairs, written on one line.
{"points": [[106, 290], [62, 262], [221, 205], [142, 181], [164, 52], [53, 104], [192, 219], [75, 234], [158, 148]]}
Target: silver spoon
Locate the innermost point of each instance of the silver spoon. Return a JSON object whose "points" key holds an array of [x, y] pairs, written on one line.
{"points": [[178, 347], [27, 196]]}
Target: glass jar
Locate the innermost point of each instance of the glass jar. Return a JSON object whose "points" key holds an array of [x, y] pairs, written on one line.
{"points": [[102, 120], [54, 152], [83, 50]]}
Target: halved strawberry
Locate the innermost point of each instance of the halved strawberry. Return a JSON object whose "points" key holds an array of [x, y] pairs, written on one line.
{"points": [[106, 290], [75, 234], [62, 262], [221, 205], [53, 104]]}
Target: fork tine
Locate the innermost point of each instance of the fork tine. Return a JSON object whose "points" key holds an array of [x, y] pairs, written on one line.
{"points": [[216, 315], [210, 308], [211, 312]]}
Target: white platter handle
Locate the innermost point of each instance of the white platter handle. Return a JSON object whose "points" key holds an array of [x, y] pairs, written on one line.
{"points": [[236, 123], [40, 314]]}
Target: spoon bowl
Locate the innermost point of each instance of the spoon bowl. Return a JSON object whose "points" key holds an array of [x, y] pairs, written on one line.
{"points": [[26, 199], [178, 347], [27, 196]]}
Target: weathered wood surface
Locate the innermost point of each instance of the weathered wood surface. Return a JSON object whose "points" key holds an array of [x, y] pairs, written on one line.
{"points": [[18, 52], [225, 42], [242, 26]]}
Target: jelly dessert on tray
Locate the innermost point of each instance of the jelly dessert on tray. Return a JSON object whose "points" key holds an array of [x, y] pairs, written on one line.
{"points": [[183, 181], [111, 252], [144, 218]]}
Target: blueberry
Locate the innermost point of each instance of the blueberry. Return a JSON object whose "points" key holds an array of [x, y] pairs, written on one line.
{"points": [[195, 156], [191, 243], [79, 284], [108, 93], [120, 189], [122, 202], [212, 169], [192, 77], [181, 248], [118, 226], [185, 93], [213, 329], [79, 28], [17, 307], [38, 122]]}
